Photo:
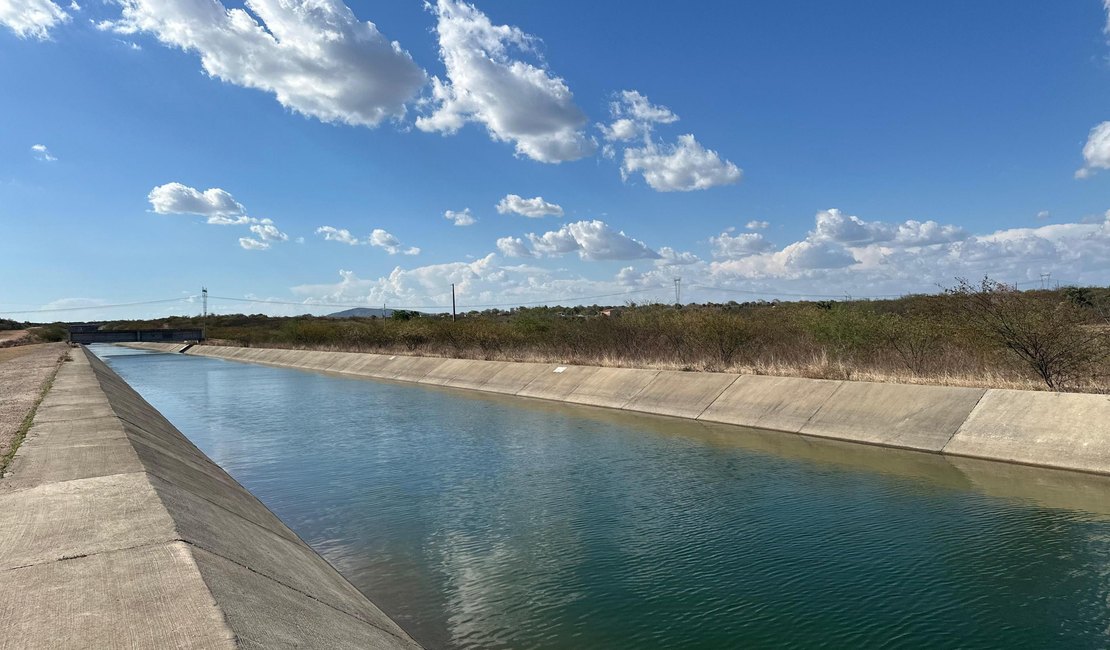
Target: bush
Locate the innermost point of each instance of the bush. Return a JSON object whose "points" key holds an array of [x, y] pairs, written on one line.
{"points": [[1053, 338]]}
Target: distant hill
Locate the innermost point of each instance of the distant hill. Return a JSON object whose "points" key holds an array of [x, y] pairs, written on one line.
{"points": [[362, 312]]}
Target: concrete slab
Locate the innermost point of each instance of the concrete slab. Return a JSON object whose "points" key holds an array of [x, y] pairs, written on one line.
{"points": [[556, 382], [267, 614], [476, 374], [83, 517], [317, 360], [150, 597], [1066, 430], [410, 368], [778, 403], [342, 361], [446, 370], [371, 366], [611, 387], [68, 412], [284, 559], [680, 394], [121, 549], [911, 417], [511, 378], [50, 463]]}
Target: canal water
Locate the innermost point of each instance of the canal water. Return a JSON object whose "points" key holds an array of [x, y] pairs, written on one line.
{"points": [[480, 521]]}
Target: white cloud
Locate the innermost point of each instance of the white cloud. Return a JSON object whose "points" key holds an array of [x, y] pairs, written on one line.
{"points": [[1072, 252], [219, 208], [215, 204], [535, 207], [634, 116], [517, 101], [513, 247], [1096, 153], [384, 240], [267, 231], [1044, 214], [592, 240], [726, 246], [670, 257], [337, 234], [315, 56], [757, 225], [40, 152], [832, 225], [463, 218], [681, 167], [251, 244], [31, 18]]}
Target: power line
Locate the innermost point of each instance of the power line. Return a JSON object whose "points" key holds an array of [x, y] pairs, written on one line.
{"points": [[122, 304]]}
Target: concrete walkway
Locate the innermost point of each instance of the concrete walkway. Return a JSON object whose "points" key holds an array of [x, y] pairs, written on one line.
{"points": [[116, 532]]}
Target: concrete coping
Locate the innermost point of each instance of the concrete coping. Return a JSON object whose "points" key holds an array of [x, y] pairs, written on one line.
{"points": [[116, 531]]}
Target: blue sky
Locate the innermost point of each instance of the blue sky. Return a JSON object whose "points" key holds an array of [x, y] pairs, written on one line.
{"points": [[296, 154]]}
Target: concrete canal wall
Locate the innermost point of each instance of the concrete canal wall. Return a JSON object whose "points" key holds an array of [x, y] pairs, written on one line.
{"points": [[1059, 430], [115, 531]]}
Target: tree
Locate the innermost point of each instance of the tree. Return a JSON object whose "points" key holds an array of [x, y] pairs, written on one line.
{"points": [[1054, 338]]}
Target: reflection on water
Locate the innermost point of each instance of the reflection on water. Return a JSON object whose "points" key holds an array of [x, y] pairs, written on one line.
{"points": [[481, 521]]}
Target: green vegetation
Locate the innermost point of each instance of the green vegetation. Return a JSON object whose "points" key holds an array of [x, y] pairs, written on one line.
{"points": [[50, 333], [984, 334]]}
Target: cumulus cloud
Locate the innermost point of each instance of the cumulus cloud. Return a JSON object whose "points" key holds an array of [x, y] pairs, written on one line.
{"points": [[219, 208], [463, 218], [726, 246], [31, 18], [40, 152], [215, 204], [757, 225], [337, 234], [833, 225], [592, 240], [267, 231], [315, 56], [535, 207], [513, 247], [1073, 252], [670, 257], [682, 166], [251, 244], [382, 239], [633, 117], [1096, 153], [486, 83]]}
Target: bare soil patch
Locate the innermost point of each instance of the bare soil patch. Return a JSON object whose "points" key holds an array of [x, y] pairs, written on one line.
{"points": [[23, 372]]}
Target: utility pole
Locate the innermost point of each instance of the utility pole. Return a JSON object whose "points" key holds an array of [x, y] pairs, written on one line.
{"points": [[204, 314], [677, 292], [452, 302]]}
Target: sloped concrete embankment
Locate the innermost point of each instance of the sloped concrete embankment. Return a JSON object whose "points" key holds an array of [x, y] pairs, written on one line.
{"points": [[115, 531], [1059, 430]]}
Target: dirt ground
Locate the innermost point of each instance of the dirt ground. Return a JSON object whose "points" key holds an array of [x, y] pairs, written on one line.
{"points": [[13, 337], [23, 370]]}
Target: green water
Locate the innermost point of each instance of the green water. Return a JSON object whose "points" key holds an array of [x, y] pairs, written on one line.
{"points": [[486, 522]]}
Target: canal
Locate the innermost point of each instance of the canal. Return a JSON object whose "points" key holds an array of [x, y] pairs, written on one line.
{"points": [[483, 521]]}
